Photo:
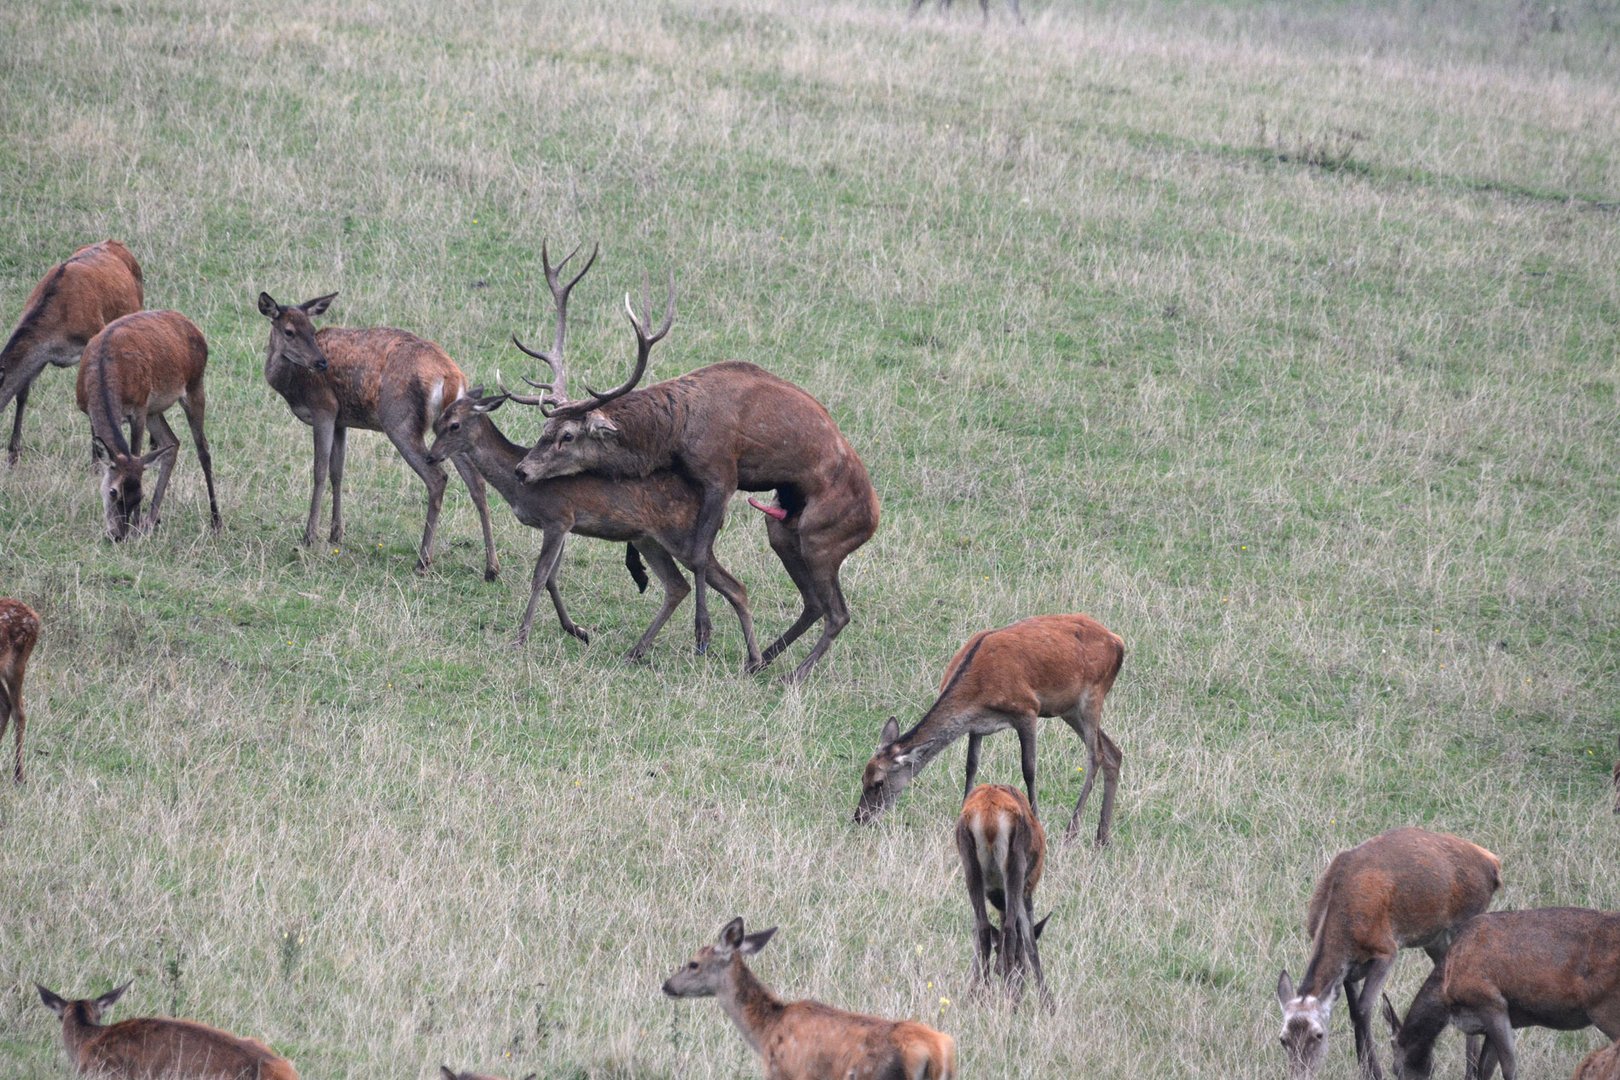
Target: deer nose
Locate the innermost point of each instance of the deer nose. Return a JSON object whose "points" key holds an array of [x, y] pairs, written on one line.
{"points": [[320, 364]]}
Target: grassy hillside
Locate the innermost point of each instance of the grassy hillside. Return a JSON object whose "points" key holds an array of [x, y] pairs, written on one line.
{"points": [[1280, 337]]}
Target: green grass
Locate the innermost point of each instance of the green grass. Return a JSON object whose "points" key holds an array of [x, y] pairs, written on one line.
{"points": [[1279, 337]]}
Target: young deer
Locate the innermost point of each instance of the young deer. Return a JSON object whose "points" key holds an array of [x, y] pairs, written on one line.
{"points": [[1003, 850], [68, 307], [1600, 1064], [1557, 968], [728, 427], [377, 379], [1404, 889], [806, 1040], [133, 370], [446, 1073], [19, 630], [1049, 665], [149, 1047]]}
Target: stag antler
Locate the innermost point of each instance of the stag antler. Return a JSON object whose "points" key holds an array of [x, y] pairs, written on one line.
{"points": [[644, 343], [557, 391]]}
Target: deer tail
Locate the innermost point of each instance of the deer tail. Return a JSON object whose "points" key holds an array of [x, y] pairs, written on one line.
{"points": [[637, 568]]}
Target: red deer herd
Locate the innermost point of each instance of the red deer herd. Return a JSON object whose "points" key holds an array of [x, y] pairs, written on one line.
{"points": [[654, 468]]}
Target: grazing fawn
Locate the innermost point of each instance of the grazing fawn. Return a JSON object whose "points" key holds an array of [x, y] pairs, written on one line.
{"points": [[68, 307], [133, 370], [19, 630], [1404, 889], [1003, 850], [149, 1047], [1600, 1064], [377, 379], [1557, 968], [806, 1040], [1049, 665], [446, 1073]]}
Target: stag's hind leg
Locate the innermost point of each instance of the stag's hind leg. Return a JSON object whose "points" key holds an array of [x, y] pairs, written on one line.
{"points": [[785, 542]]}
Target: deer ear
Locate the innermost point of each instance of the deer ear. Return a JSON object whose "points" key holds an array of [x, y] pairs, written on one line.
{"points": [[52, 1002], [1285, 987], [105, 1001], [152, 457], [890, 732], [98, 449], [487, 405], [755, 942], [1390, 1017], [445, 1073], [598, 426], [1040, 926], [268, 306], [318, 305], [731, 934]]}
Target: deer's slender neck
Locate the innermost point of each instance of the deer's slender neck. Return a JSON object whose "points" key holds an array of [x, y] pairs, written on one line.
{"points": [[1424, 1022], [749, 1003], [496, 456], [943, 723]]}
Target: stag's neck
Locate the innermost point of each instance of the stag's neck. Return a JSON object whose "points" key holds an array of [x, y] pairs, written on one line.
{"points": [[651, 422], [750, 1004]]}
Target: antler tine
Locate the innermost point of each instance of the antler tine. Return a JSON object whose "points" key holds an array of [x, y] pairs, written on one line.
{"points": [[521, 399], [558, 394], [644, 342]]}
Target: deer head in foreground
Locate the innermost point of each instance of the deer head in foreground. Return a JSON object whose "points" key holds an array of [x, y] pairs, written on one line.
{"points": [[149, 1047], [1003, 851], [806, 1040], [1049, 665], [1403, 889], [19, 630]]}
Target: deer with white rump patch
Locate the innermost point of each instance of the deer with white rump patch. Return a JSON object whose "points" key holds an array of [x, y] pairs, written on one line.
{"points": [[1048, 665], [19, 630], [1404, 889], [132, 371], [1556, 968], [151, 1047], [1003, 850], [69, 306], [376, 379], [806, 1040]]}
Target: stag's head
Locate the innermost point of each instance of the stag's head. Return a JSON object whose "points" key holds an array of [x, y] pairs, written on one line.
{"points": [[292, 331], [886, 775], [89, 1010], [705, 973], [120, 481], [1305, 1027], [453, 430]]}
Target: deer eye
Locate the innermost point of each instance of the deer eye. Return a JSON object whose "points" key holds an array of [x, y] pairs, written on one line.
{"points": [[568, 436], [287, 330], [456, 426]]}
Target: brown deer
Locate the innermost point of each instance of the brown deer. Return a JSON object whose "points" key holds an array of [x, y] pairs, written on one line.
{"points": [[446, 1073], [133, 370], [68, 307], [1003, 850], [1049, 665], [1403, 889], [727, 427], [376, 379], [806, 1040], [19, 630], [1600, 1064], [149, 1047], [1556, 968]]}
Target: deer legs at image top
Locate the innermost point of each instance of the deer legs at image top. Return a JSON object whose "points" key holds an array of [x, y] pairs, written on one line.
{"points": [[1103, 755]]}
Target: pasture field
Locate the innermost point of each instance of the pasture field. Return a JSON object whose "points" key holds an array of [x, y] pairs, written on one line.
{"points": [[1280, 337]]}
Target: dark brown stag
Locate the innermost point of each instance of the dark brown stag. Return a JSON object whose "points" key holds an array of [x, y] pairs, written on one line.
{"points": [[727, 427], [376, 379], [68, 307], [656, 514]]}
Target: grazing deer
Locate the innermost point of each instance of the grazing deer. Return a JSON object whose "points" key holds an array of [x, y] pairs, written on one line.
{"points": [[150, 1046], [1600, 1064], [69, 306], [1404, 889], [1556, 968], [728, 427], [984, 6], [1049, 665], [133, 370], [1003, 850], [806, 1040], [377, 379], [19, 630], [446, 1073]]}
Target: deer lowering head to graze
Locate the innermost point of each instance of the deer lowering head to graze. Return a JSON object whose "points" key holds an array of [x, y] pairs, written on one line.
{"points": [[446, 1073], [1403, 889], [19, 630], [1556, 968], [1049, 665], [1003, 850], [132, 372], [1600, 1064], [727, 427], [149, 1048], [806, 1040], [68, 307], [377, 379]]}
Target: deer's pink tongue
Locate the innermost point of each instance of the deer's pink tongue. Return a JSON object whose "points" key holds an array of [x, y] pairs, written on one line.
{"points": [[773, 511]]}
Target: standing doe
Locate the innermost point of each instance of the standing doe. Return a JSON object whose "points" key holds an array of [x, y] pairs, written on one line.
{"points": [[19, 630], [377, 379], [806, 1040], [150, 1047], [133, 370], [1003, 850], [1048, 665], [68, 307], [1404, 889], [1556, 968]]}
